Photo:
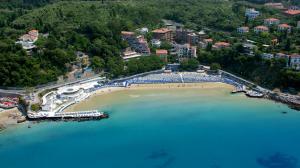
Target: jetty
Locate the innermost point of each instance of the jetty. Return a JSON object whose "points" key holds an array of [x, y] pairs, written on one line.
{"points": [[78, 115], [255, 94]]}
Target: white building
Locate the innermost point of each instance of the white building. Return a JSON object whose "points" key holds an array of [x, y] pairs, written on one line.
{"points": [[251, 13]]}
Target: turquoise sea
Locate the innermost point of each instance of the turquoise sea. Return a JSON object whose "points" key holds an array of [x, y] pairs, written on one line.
{"points": [[184, 128]]}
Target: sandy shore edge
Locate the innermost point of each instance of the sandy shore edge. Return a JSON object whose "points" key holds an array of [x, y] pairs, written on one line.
{"points": [[206, 85]]}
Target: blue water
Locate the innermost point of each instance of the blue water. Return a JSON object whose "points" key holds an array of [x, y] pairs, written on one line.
{"points": [[163, 129]]}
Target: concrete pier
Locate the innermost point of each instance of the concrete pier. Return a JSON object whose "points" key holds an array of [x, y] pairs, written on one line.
{"points": [[78, 115]]}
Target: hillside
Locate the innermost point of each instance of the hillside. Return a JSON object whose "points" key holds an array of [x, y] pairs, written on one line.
{"points": [[193, 13], [92, 27], [95, 28]]}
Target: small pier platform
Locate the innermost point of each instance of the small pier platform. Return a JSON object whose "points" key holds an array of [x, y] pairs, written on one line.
{"points": [[254, 94], [76, 116]]}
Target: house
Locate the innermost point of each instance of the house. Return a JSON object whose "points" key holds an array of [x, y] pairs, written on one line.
{"points": [[163, 54], [295, 61], [251, 13], [242, 30], [298, 24], [271, 21], [267, 56], [292, 12], [156, 43], [27, 40], [192, 38], [164, 34], [31, 36], [285, 27], [275, 5], [185, 51], [261, 29], [221, 45]]}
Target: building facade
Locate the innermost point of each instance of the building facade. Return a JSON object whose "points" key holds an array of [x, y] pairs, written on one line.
{"points": [[192, 39], [186, 51], [164, 34], [271, 21], [181, 35], [285, 27], [261, 29], [138, 43]]}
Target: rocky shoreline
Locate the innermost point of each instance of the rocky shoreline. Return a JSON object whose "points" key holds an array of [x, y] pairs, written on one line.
{"points": [[291, 100], [11, 117]]}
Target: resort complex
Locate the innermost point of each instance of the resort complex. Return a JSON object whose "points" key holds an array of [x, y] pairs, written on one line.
{"points": [[150, 84]]}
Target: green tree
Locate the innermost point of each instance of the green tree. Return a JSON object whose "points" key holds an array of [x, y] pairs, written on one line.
{"points": [[98, 64], [215, 66], [189, 65]]}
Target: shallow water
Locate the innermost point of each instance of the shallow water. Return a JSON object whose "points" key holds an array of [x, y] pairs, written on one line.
{"points": [[162, 129]]}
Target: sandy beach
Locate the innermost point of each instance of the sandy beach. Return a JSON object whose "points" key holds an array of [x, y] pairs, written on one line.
{"points": [[9, 117], [103, 93], [208, 85]]}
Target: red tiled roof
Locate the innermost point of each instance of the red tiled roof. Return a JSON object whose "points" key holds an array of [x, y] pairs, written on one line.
{"points": [[208, 40], [161, 52], [284, 25], [161, 30], [222, 44], [127, 33], [272, 19], [262, 27], [292, 12]]}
